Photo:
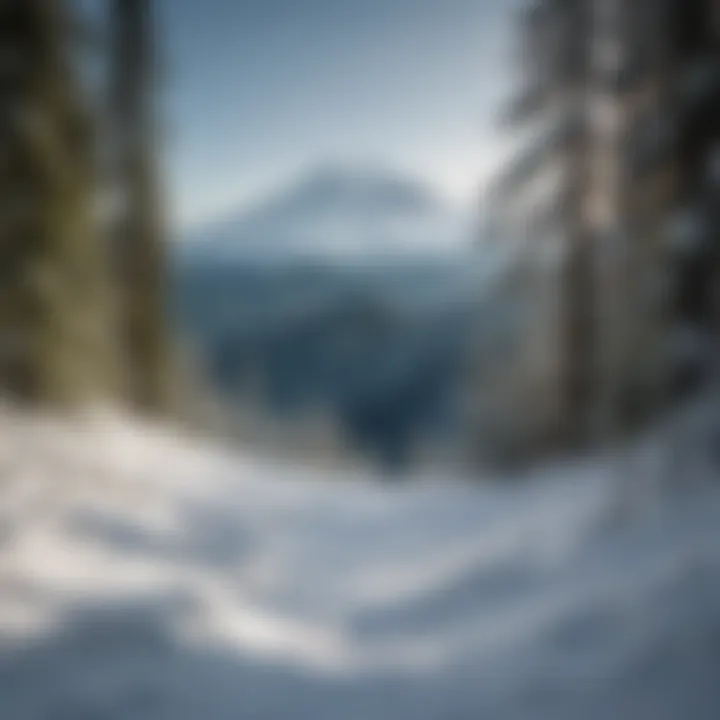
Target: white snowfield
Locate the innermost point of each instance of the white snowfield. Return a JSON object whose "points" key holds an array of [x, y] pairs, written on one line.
{"points": [[146, 576]]}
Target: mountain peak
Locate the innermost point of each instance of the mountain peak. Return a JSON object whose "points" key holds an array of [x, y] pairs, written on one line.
{"points": [[339, 210], [369, 185]]}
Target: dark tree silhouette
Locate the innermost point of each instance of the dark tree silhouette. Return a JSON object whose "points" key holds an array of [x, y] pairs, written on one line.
{"points": [[139, 253]]}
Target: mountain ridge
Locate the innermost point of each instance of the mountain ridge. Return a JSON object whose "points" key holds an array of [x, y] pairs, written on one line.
{"points": [[341, 212]]}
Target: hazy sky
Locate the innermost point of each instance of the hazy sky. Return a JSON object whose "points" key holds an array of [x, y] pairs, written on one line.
{"points": [[260, 90]]}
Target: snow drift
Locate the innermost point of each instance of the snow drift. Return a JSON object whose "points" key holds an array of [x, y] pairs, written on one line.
{"points": [[143, 575]]}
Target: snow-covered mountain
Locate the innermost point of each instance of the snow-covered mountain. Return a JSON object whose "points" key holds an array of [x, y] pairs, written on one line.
{"points": [[338, 213]]}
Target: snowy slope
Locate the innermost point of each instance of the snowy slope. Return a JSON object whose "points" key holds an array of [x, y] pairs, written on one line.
{"points": [[147, 576]]}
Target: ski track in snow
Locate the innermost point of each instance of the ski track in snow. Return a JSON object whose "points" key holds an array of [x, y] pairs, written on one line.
{"points": [[147, 576]]}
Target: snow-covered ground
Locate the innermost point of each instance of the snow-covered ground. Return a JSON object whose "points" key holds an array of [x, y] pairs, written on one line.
{"points": [[145, 576]]}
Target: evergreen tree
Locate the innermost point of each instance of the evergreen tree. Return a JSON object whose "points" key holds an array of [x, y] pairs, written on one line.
{"points": [[53, 291], [139, 238]]}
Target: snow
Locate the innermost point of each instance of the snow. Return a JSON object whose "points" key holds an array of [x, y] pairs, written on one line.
{"points": [[147, 575], [338, 214]]}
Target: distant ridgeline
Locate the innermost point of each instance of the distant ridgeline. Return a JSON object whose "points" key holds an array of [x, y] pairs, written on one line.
{"points": [[81, 314], [373, 360]]}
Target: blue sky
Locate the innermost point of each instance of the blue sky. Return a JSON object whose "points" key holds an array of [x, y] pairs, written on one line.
{"points": [[258, 91]]}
